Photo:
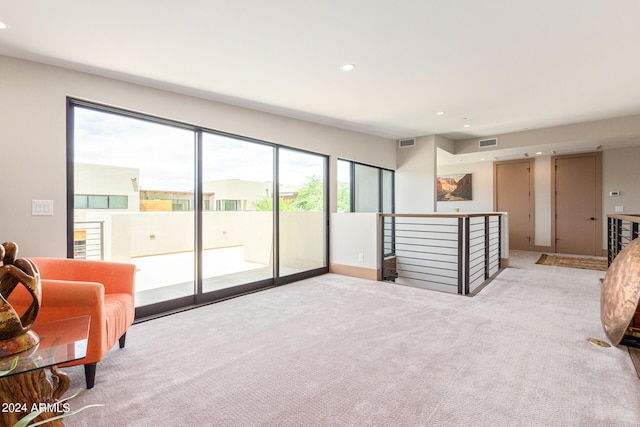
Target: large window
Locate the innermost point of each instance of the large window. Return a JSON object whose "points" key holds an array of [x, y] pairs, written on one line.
{"points": [[192, 208], [364, 188]]}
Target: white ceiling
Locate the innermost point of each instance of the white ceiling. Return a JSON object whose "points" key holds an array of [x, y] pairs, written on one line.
{"points": [[497, 65]]}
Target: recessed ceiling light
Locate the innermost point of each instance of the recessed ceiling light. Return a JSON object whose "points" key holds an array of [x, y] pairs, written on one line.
{"points": [[2, 25], [483, 159], [439, 113], [348, 67], [467, 126], [538, 152]]}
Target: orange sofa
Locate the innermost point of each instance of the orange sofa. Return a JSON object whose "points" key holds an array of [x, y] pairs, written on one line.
{"points": [[102, 289]]}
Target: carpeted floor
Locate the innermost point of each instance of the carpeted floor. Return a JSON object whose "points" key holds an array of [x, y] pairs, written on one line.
{"points": [[340, 351], [599, 264]]}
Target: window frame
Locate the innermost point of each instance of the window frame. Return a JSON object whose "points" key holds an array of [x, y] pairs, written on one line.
{"points": [[200, 205], [353, 190]]}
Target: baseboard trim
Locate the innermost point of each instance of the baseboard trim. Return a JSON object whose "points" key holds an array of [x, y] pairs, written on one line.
{"points": [[354, 271]]}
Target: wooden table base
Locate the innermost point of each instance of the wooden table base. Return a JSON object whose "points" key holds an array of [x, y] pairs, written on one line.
{"points": [[28, 392]]}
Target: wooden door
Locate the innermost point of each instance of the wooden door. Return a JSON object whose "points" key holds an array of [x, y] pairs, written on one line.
{"points": [[513, 193], [577, 204]]}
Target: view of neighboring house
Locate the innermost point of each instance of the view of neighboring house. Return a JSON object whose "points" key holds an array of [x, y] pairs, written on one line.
{"points": [[116, 218]]}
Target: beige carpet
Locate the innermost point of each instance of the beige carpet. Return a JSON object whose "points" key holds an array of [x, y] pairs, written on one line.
{"points": [[339, 351], [599, 264]]}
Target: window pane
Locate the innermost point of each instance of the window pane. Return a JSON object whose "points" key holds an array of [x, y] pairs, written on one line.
{"points": [[344, 186], [238, 236], [80, 201], [366, 188], [302, 211], [152, 165], [118, 202], [98, 202]]}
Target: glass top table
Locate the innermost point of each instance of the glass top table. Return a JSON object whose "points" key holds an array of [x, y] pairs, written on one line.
{"points": [[27, 387], [61, 341]]}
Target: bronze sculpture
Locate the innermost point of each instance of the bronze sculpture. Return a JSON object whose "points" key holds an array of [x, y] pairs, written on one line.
{"points": [[15, 334], [621, 292]]}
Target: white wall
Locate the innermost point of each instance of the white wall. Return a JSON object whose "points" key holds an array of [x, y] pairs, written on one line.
{"points": [[416, 177], [620, 172], [481, 187], [353, 234], [33, 138]]}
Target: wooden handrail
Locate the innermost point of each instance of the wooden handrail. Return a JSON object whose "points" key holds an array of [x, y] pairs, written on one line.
{"points": [[627, 217], [442, 215]]}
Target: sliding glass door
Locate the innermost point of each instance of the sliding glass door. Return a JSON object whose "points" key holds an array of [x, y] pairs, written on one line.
{"points": [[237, 213], [133, 199], [203, 215], [302, 211]]}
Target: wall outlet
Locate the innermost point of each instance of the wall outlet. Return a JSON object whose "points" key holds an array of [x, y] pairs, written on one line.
{"points": [[619, 209], [361, 257]]}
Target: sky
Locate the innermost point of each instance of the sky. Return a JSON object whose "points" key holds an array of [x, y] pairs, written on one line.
{"points": [[165, 154]]}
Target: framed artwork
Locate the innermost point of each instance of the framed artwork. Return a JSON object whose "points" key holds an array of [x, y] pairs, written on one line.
{"points": [[454, 188]]}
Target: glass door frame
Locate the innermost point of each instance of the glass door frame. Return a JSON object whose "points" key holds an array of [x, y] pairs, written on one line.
{"points": [[290, 278], [198, 297]]}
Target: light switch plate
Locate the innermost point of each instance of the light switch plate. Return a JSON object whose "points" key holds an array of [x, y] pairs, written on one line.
{"points": [[42, 207], [619, 209]]}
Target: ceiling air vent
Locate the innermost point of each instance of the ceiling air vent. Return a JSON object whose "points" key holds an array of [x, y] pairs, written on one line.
{"points": [[484, 143], [403, 143]]}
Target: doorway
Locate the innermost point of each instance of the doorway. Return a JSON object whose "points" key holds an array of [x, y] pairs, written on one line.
{"points": [[576, 204], [513, 193]]}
